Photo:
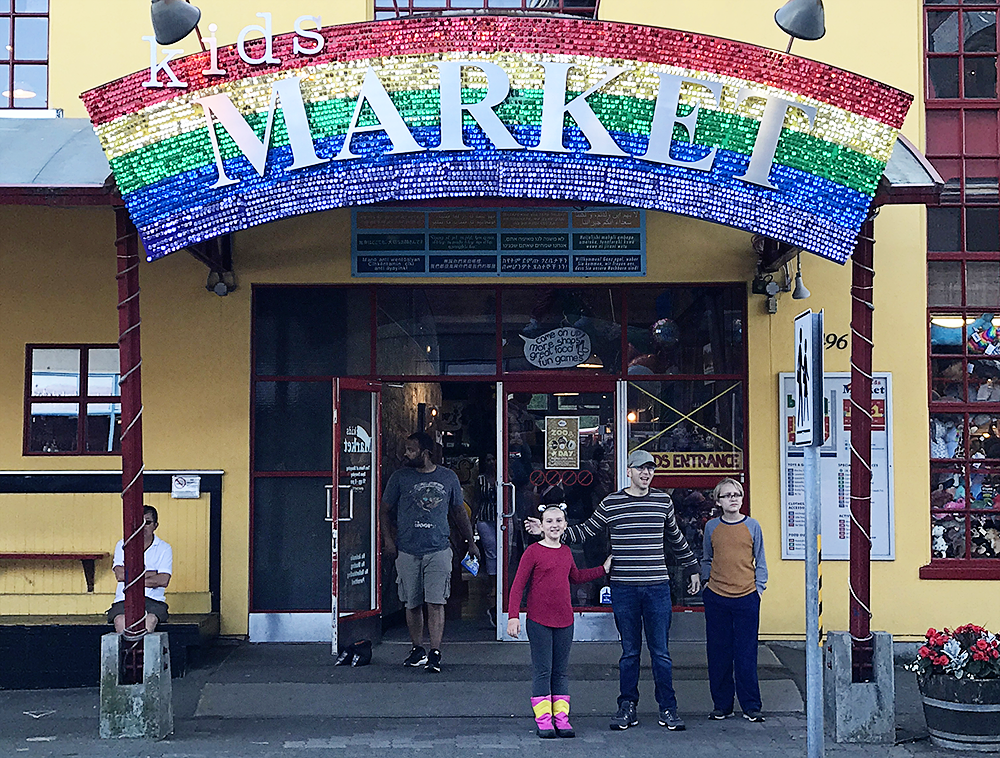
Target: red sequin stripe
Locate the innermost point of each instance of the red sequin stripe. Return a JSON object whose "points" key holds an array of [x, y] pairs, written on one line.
{"points": [[552, 36]]}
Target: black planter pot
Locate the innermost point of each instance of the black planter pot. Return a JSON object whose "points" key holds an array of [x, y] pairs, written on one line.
{"points": [[962, 714]]}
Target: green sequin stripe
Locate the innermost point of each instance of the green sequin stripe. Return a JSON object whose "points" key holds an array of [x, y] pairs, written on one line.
{"points": [[421, 108]]}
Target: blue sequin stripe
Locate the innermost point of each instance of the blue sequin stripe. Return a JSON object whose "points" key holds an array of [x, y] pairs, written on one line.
{"points": [[807, 192], [556, 177]]}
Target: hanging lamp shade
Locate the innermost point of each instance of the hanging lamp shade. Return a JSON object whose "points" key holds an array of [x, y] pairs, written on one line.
{"points": [[173, 20], [802, 19]]}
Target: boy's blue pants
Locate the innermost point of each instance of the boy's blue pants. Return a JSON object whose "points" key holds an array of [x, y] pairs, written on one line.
{"points": [[731, 625]]}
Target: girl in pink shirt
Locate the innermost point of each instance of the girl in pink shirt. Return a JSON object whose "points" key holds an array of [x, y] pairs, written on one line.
{"points": [[550, 566]]}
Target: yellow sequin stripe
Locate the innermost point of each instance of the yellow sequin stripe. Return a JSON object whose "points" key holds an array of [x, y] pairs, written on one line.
{"points": [[180, 114], [559, 705]]}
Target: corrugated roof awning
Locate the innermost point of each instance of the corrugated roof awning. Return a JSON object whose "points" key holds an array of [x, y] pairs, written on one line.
{"points": [[52, 161]]}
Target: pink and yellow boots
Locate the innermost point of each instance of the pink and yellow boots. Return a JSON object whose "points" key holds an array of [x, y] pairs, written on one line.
{"points": [[560, 716], [542, 706]]}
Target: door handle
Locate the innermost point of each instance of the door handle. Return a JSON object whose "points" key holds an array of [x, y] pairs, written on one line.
{"points": [[513, 499], [350, 502], [329, 502]]}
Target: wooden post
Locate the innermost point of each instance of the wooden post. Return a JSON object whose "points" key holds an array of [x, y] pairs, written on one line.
{"points": [[130, 358]]}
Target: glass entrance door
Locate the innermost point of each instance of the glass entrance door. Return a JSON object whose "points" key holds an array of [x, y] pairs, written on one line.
{"points": [[560, 445], [352, 507]]}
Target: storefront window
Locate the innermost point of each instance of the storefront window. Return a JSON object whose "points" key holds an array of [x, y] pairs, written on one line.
{"points": [[312, 331], [562, 329], [61, 380], [685, 330], [293, 426], [24, 53], [385, 9], [436, 331], [699, 422], [963, 286], [695, 432]]}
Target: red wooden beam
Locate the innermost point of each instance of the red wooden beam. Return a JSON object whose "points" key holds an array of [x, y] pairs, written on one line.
{"points": [[130, 358], [862, 309]]}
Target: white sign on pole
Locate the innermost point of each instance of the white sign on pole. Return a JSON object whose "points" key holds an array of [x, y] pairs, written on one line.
{"points": [[808, 379], [835, 467]]}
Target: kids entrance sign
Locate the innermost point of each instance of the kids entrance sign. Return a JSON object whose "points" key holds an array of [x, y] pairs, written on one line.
{"points": [[484, 106]]}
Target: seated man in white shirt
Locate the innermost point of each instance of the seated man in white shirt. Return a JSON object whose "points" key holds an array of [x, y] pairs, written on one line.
{"points": [[159, 561]]}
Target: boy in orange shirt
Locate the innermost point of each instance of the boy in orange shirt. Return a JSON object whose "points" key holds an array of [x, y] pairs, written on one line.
{"points": [[734, 570]]}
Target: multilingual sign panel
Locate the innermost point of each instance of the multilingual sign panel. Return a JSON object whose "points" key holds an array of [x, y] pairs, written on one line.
{"points": [[498, 242]]}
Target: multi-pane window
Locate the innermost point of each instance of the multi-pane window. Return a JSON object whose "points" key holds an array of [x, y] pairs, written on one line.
{"points": [[72, 400], [963, 287], [24, 53], [385, 9]]}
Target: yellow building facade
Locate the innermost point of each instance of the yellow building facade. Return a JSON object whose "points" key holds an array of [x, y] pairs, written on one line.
{"points": [[58, 288]]}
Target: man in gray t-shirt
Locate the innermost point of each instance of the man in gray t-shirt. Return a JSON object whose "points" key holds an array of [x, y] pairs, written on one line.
{"points": [[416, 504]]}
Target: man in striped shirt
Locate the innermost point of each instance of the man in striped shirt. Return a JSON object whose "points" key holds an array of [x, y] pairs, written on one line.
{"points": [[641, 522]]}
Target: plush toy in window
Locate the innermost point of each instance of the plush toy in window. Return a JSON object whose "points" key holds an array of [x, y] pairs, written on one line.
{"points": [[939, 548]]}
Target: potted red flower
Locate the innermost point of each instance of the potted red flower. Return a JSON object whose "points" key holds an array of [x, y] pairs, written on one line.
{"points": [[958, 672]]}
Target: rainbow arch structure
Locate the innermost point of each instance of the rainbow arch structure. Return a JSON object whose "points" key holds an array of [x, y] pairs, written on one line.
{"points": [[824, 176]]}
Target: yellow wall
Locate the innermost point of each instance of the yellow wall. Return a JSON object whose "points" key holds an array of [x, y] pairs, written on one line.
{"points": [[196, 345], [75, 523], [87, 47]]}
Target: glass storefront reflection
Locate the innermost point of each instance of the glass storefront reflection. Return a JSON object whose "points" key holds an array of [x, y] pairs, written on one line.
{"points": [[542, 473]]}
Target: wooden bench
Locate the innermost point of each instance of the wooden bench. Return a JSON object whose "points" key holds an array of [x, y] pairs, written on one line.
{"points": [[87, 559]]}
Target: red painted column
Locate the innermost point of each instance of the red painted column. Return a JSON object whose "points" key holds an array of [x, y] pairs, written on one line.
{"points": [[862, 310], [130, 358]]}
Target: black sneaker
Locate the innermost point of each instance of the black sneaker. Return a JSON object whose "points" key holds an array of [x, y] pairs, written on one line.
{"points": [[671, 720], [417, 657], [433, 662], [754, 716], [718, 715], [625, 717]]}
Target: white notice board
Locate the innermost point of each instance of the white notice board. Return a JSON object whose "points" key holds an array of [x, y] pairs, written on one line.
{"points": [[835, 469]]}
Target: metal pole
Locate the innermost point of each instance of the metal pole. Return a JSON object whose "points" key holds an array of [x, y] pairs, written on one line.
{"points": [[130, 361], [862, 308], [814, 651]]}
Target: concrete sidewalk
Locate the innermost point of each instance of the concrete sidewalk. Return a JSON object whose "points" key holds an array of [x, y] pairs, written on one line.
{"points": [[271, 700]]}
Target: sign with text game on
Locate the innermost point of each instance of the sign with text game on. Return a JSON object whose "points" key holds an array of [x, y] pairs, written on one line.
{"points": [[498, 242], [476, 106], [835, 469]]}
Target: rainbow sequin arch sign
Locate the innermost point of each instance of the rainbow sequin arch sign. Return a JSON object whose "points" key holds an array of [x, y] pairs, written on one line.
{"points": [[498, 107]]}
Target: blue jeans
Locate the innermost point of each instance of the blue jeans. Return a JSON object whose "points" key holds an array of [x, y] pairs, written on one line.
{"points": [[636, 607]]}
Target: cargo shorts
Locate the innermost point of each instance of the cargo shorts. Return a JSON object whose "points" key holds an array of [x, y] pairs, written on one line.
{"points": [[424, 578]]}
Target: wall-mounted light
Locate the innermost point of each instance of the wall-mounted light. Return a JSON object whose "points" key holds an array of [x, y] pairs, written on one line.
{"points": [[173, 20], [221, 282], [632, 417], [800, 292], [801, 19]]}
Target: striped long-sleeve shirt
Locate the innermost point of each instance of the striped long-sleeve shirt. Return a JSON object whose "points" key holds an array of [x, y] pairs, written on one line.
{"points": [[640, 529]]}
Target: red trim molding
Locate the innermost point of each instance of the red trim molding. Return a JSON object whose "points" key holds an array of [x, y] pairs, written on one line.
{"points": [[960, 569]]}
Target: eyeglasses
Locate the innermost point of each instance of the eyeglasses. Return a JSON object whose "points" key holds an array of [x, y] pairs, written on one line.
{"points": [[730, 495]]}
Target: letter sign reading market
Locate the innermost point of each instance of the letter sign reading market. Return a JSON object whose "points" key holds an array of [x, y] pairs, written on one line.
{"points": [[500, 107]]}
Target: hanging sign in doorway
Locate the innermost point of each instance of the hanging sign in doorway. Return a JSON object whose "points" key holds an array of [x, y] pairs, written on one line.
{"points": [[564, 347], [562, 442]]}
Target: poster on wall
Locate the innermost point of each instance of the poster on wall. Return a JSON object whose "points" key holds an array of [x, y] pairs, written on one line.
{"points": [[835, 470], [562, 442]]}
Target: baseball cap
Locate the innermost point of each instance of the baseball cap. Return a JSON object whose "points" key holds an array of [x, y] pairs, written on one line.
{"points": [[639, 458]]}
